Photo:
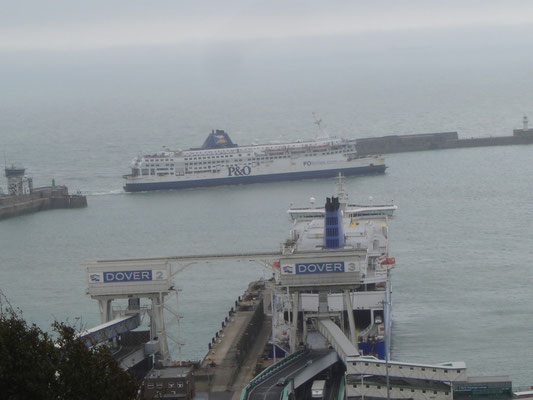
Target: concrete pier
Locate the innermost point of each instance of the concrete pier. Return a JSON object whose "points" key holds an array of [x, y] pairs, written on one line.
{"points": [[40, 199], [236, 349], [436, 141]]}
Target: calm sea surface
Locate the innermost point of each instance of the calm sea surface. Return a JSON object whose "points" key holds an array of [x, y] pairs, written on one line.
{"points": [[461, 237]]}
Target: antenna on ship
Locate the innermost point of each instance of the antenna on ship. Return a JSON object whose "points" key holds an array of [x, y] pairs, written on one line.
{"points": [[341, 194], [318, 122]]}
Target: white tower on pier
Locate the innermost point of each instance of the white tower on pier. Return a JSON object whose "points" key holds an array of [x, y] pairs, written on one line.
{"points": [[18, 183]]}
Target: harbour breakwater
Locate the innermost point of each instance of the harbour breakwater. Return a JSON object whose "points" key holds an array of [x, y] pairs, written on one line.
{"points": [[40, 199], [436, 141]]}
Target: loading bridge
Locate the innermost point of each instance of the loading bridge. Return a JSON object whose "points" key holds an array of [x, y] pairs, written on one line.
{"points": [[110, 330], [149, 278], [192, 258], [337, 339], [371, 377]]}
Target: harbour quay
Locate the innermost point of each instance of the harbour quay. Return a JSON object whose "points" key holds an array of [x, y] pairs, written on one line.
{"points": [[239, 350], [23, 198], [241, 362], [439, 141], [319, 328]]}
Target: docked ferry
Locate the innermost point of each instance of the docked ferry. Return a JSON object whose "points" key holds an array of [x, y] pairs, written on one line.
{"points": [[348, 209], [335, 271], [221, 162]]}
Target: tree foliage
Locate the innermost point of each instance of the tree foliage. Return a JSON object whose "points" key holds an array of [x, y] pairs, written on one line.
{"points": [[33, 365]]}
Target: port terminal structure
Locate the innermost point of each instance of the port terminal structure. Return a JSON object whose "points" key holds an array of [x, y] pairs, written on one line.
{"points": [[324, 315], [151, 278], [310, 331], [362, 376]]}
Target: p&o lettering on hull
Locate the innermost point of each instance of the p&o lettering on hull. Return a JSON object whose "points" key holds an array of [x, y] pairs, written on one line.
{"points": [[238, 171]]}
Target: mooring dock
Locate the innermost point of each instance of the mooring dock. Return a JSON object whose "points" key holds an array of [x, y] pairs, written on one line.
{"points": [[241, 361], [23, 198], [234, 351]]}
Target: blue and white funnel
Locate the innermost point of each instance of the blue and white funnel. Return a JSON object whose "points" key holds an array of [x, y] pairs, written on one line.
{"points": [[333, 233]]}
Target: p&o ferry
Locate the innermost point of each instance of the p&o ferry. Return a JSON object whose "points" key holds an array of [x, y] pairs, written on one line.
{"points": [[221, 162]]}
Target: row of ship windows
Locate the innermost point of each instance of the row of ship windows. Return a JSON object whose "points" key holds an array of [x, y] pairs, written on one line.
{"points": [[213, 167], [252, 159], [249, 154], [215, 161], [237, 160], [231, 155], [161, 171], [240, 159], [261, 158], [401, 389], [219, 163], [207, 157], [411, 368]]}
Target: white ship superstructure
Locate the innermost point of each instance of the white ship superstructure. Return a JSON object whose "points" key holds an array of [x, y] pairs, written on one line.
{"points": [[347, 209], [220, 162], [335, 266]]}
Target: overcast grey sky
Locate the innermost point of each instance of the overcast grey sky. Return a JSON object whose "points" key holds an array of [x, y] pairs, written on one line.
{"points": [[97, 24]]}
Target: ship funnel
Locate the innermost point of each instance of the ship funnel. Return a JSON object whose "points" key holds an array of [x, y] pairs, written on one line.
{"points": [[333, 234]]}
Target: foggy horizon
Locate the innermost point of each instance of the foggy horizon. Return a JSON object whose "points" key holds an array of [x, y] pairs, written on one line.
{"points": [[66, 26]]}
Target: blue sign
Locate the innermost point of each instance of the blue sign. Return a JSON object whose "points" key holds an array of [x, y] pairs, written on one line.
{"points": [[320, 267], [128, 276]]}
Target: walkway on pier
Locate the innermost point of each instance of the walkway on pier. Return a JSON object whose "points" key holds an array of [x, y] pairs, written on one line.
{"points": [[193, 258]]}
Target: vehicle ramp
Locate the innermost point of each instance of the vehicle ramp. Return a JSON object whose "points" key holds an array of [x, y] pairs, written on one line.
{"points": [[337, 339], [289, 373], [324, 359], [110, 329]]}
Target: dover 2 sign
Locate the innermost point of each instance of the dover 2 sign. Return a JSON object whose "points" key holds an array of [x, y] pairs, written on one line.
{"points": [[128, 276]]}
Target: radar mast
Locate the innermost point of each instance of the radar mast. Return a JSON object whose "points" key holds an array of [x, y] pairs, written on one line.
{"points": [[321, 133]]}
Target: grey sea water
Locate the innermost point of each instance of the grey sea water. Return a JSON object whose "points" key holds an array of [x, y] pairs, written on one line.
{"points": [[461, 237]]}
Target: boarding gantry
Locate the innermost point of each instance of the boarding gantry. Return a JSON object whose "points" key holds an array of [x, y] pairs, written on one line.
{"points": [[133, 280]]}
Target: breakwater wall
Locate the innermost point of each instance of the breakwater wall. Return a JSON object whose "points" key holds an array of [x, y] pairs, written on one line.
{"points": [[40, 199], [436, 141]]}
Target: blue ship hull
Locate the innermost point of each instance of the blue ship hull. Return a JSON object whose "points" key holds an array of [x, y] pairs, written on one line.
{"points": [[376, 349], [237, 180]]}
